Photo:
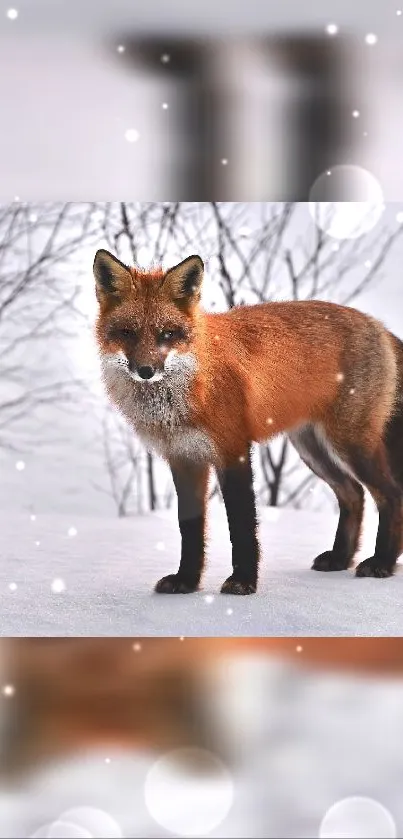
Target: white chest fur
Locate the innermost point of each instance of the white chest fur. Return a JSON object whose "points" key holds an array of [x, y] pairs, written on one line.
{"points": [[159, 411], [185, 443]]}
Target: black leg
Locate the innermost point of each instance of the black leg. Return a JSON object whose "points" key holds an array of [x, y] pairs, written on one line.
{"points": [[236, 482], [374, 471], [349, 494], [191, 486], [394, 447]]}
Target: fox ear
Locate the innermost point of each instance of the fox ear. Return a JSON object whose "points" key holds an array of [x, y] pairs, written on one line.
{"points": [[183, 282], [112, 277]]}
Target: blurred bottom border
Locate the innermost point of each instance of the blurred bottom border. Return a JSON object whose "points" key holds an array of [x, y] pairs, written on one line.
{"points": [[186, 736]]}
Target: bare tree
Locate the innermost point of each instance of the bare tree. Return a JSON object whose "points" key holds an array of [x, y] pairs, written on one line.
{"points": [[38, 298], [122, 455]]}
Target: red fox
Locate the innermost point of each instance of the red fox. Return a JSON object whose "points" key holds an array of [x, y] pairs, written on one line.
{"points": [[200, 388]]}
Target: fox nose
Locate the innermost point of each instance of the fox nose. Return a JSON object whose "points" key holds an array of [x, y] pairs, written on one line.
{"points": [[146, 372]]}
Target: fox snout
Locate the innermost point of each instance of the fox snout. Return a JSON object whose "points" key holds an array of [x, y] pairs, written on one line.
{"points": [[151, 366], [144, 372], [150, 370]]}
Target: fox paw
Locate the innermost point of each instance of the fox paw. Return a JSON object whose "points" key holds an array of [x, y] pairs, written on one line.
{"points": [[233, 586], [174, 584], [330, 561], [373, 568]]}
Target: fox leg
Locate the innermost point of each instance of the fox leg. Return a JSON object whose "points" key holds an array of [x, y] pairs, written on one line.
{"points": [[394, 445], [350, 497], [373, 470], [191, 480], [318, 455], [236, 483]]}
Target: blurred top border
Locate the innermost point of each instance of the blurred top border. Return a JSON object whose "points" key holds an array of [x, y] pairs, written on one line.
{"points": [[95, 18]]}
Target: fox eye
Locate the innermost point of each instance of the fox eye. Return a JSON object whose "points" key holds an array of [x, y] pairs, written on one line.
{"points": [[117, 333], [166, 335]]}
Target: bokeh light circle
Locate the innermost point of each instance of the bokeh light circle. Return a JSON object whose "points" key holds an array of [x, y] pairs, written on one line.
{"points": [[101, 825], [189, 792], [346, 202], [358, 818]]}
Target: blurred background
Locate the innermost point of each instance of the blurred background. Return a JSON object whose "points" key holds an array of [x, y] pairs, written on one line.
{"points": [[223, 737], [63, 449], [198, 101]]}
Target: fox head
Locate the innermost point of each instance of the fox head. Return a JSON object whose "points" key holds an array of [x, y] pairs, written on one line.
{"points": [[146, 320]]}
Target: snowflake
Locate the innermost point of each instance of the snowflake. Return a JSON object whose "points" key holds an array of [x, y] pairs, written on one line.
{"points": [[58, 585], [132, 135], [332, 29], [229, 611], [121, 48], [165, 58], [12, 14], [13, 586], [224, 161], [136, 647], [356, 114], [209, 598], [20, 465], [8, 690], [72, 531], [165, 106], [371, 39], [299, 649]]}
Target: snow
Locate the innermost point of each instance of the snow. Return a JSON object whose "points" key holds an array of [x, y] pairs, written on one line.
{"points": [[110, 567]]}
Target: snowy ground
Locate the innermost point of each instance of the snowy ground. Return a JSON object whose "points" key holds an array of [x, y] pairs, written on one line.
{"points": [[109, 568]]}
